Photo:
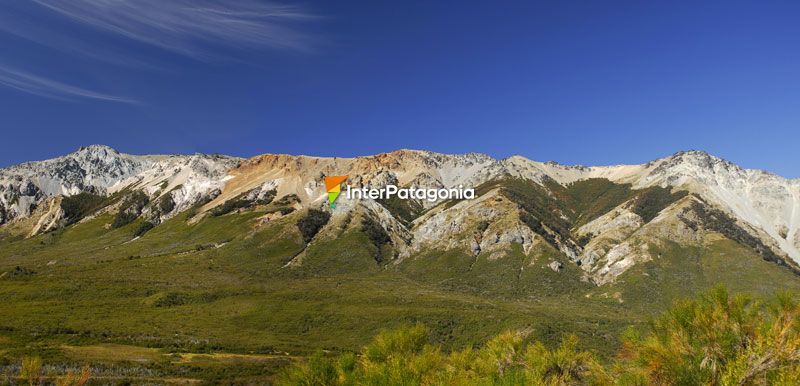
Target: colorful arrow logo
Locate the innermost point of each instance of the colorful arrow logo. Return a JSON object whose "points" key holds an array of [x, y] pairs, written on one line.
{"points": [[333, 186]]}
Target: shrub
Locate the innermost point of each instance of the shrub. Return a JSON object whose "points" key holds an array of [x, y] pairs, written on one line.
{"points": [[123, 218], [81, 205], [404, 357], [377, 235], [650, 202], [718, 221], [241, 201], [231, 205], [171, 299], [288, 199], [130, 209], [166, 204], [312, 223], [19, 271], [718, 339], [283, 210], [143, 228]]}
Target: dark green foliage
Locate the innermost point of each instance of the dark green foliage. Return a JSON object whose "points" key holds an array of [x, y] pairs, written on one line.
{"points": [[584, 239], [170, 299], [123, 218], [143, 228], [289, 199], [483, 226], [283, 210], [595, 197], [19, 271], [377, 235], [651, 201], [81, 205], [311, 223], [539, 206], [192, 211], [241, 202], [166, 204], [404, 210], [130, 209], [718, 221], [231, 205]]}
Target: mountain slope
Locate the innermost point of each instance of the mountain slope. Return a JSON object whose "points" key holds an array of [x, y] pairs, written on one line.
{"points": [[599, 218]]}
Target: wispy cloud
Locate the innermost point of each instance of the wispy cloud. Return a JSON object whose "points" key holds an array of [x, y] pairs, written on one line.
{"points": [[37, 85], [205, 30], [200, 29]]}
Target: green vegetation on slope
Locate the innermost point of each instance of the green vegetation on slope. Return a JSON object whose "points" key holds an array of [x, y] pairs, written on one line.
{"points": [[595, 197], [404, 211], [651, 201], [312, 222], [130, 209], [81, 205]]}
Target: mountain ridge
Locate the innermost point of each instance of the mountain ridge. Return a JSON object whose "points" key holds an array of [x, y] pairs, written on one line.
{"points": [[531, 198]]}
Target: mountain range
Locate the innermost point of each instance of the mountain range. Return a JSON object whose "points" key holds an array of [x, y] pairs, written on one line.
{"points": [[602, 219]]}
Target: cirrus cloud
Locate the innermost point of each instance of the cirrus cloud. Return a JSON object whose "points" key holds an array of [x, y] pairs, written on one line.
{"points": [[201, 29], [37, 85], [204, 30]]}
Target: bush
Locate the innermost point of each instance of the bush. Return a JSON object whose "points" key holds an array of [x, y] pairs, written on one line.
{"points": [[81, 205], [288, 199], [241, 201], [283, 210], [404, 357], [312, 223], [716, 340], [718, 221], [123, 218], [143, 228], [166, 204], [376, 234], [171, 299], [130, 209], [231, 205], [650, 202]]}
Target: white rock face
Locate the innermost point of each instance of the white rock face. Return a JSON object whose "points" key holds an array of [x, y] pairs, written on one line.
{"points": [[102, 170], [459, 227], [765, 201]]}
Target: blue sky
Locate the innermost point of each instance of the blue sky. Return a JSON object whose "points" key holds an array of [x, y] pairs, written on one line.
{"points": [[578, 82]]}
